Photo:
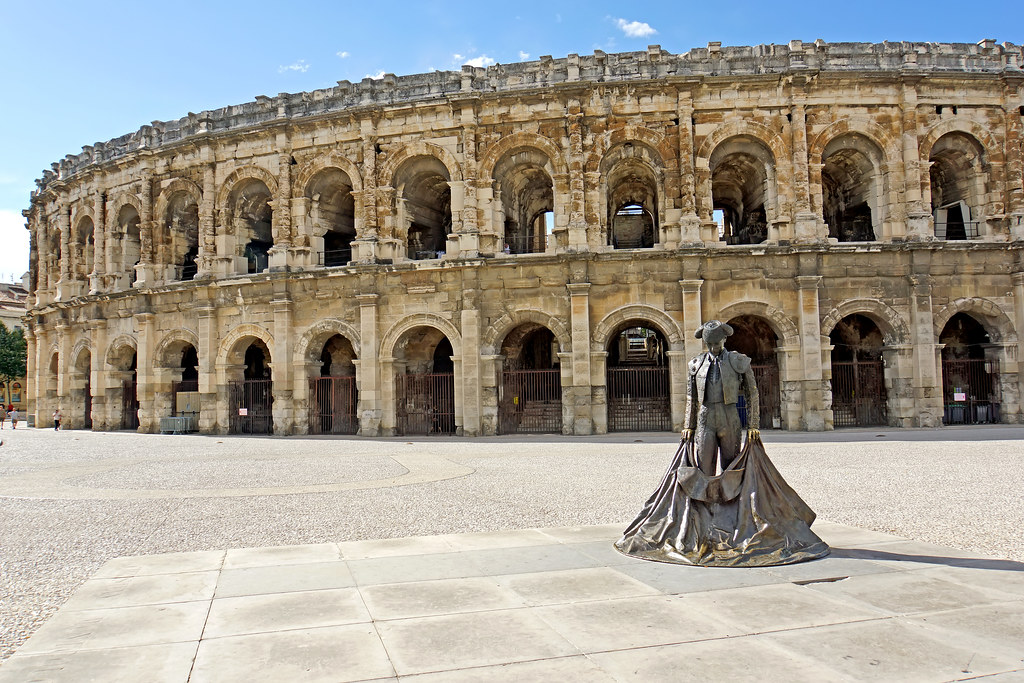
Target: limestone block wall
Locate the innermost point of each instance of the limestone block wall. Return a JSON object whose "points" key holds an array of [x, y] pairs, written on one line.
{"points": [[850, 203]]}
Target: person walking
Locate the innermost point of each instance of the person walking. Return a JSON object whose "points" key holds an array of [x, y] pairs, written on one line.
{"points": [[56, 419], [14, 418], [3, 416]]}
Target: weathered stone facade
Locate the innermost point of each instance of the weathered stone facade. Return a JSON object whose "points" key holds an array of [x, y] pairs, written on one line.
{"points": [[847, 202]]}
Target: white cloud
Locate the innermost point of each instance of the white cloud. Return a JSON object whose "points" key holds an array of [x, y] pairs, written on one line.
{"points": [[524, 55], [457, 57], [481, 61], [14, 255], [377, 76], [299, 66], [635, 29], [343, 54]]}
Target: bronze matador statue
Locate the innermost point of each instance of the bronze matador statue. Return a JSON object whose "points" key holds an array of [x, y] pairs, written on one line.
{"points": [[712, 390]]}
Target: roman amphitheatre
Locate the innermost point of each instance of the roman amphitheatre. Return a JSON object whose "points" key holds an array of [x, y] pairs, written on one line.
{"points": [[529, 247]]}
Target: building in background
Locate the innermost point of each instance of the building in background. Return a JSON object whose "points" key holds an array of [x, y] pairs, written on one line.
{"points": [[12, 314]]}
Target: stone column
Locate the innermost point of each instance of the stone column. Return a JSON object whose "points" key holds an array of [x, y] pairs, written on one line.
{"points": [[915, 170], [576, 237], [690, 222], [206, 315], [806, 221], [64, 339], [471, 380], [1014, 165], [64, 287], [927, 377], [99, 251], [692, 316], [207, 247], [145, 271], [582, 399], [282, 219], [31, 372], [283, 370], [678, 375], [1015, 414], [813, 419], [472, 242], [149, 421], [100, 377], [364, 246], [369, 378]]}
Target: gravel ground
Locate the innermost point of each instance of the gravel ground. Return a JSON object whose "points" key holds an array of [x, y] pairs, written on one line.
{"points": [[955, 487]]}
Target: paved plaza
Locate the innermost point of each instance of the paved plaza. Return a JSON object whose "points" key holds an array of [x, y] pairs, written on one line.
{"points": [[459, 559]]}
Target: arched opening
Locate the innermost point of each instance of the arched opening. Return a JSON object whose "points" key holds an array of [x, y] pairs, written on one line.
{"points": [[530, 399], [425, 206], [182, 234], [185, 391], [332, 208], [52, 265], [851, 189], [253, 218], [970, 372], [85, 249], [632, 205], [124, 372], [127, 247], [333, 396], [251, 400], [525, 191], [638, 379], [754, 337], [425, 383], [81, 389], [742, 174], [957, 186], [859, 395], [50, 386]]}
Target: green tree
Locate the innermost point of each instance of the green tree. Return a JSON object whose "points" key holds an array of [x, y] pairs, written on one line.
{"points": [[13, 355]]}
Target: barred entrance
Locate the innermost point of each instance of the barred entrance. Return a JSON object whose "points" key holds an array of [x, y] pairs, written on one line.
{"points": [[87, 417], [426, 403], [638, 399], [770, 395], [185, 394], [129, 404], [858, 393], [332, 405], [531, 402], [970, 391], [250, 407]]}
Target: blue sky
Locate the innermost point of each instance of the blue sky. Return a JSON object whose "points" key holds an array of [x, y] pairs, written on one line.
{"points": [[74, 73]]}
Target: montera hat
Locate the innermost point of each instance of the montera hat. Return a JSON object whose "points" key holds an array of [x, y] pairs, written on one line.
{"points": [[714, 330]]}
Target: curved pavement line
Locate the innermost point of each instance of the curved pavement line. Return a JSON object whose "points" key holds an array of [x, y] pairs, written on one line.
{"points": [[52, 482]]}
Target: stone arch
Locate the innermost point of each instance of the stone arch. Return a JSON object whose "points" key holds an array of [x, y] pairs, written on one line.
{"points": [[240, 175], [420, 148], [894, 328], [888, 145], [176, 186], [307, 347], [783, 325], [171, 340], [517, 141], [230, 352], [122, 200], [332, 160], [652, 139], [395, 332], [500, 328], [116, 348], [992, 317], [81, 346], [79, 214], [614, 320], [760, 132], [972, 129]]}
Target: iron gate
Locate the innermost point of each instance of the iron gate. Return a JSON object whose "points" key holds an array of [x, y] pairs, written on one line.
{"points": [[638, 399], [250, 407], [332, 405], [87, 417], [425, 403], [531, 401], [770, 395], [858, 394], [129, 404], [185, 398], [970, 391]]}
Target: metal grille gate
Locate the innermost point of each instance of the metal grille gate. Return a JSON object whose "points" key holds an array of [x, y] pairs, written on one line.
{"points": [[250, 407], [858, 394], [970, 391], [332, 405], [129, 404], [531, 401], [425, 403], [638, 399], [187, 405], [770, 395]]}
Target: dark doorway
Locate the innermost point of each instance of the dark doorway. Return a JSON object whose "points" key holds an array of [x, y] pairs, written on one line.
{"points": [[251, 401], [426, 400], [333, 398], [130, 397], [755, 338], [531, 383], [859, 396], [638, 380], [970, 375]]}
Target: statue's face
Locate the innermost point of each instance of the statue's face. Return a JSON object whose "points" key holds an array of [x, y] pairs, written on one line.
{"points": [[716, 346]]}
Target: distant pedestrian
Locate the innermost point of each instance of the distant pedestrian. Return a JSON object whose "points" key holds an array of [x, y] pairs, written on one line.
{"points": [[3, 416], [56, 419], [14, 418]]}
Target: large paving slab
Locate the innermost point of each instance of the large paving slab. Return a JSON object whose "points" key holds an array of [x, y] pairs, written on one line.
{"points": [[535, 604]]}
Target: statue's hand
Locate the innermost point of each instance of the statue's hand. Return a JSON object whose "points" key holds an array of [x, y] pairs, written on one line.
{"points": [[753, 434], [687, 434]]}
